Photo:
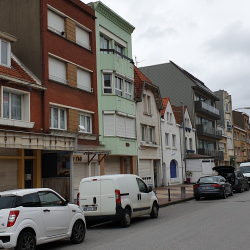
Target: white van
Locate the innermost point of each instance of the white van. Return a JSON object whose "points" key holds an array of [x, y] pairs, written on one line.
{"points": [[116, 198], [245, 170]]}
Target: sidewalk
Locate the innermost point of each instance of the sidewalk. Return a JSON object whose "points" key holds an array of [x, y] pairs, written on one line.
{"points": [[175, 194]]}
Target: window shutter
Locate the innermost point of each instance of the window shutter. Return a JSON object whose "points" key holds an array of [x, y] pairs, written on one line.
{"points": [[55, 22], [109, 125], [84, 80], [82, 37], [57, 70], [130, 127], [229, 143], [121, 125]]}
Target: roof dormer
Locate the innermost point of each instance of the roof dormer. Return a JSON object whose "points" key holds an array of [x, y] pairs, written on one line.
{"points": [[5, 48]]}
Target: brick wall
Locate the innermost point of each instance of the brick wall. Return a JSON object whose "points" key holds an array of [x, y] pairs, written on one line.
{"points": [[70, 29], [71, 75]]}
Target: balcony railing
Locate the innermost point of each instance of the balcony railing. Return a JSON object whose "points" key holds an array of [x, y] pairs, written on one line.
{"points": [[204, 130], [207, 109], [113, 51], [216, 154]]}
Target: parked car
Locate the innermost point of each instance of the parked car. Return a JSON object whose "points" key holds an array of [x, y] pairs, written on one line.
{"points": [[212, 186], [116, 198], [245, 170], [236, 178], [30, 217]]}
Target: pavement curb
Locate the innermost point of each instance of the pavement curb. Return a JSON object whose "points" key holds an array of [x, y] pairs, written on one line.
{"points": [[175, 202]]}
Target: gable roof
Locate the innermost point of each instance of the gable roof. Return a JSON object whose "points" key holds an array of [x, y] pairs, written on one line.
{"points": [[178, 113], [165, 101], [19, 74], [140, 81]]}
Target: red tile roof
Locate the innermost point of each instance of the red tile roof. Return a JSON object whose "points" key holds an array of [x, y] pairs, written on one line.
{"points": [[17, 72], [138, 81], [165, 103]]}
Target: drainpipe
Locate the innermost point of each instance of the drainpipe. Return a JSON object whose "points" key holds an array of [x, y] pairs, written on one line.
{"points": [[184, 139], [161, 152]]}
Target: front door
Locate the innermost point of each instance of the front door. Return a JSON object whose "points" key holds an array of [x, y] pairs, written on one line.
{"points": [[145, 197], [56, 216]]}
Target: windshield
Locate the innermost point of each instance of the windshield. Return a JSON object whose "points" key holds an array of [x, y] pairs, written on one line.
{"points": [[208, 179], [245, 169], [6, 202]]}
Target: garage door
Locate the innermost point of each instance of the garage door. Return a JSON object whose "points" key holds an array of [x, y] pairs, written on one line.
{"points": [[112, 165], [80, 172], [8, 174]]}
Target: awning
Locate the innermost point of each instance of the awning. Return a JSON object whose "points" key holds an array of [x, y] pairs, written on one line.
{"points": [[91, 149]]}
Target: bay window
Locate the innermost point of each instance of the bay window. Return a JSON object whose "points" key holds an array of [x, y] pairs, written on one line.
{"points": [[118, 86], [128, 90], [58, 118], [107, 84], [104, 44]]}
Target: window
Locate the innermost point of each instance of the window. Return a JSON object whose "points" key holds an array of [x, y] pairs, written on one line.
{"points": [[143, 132], [170, 117], [82, 37], [125, 126], [119, 49], [109, 124], [186, 122], [107, 84], [186, 142], [58, 118], [84, 80], [104, 44], [12, 105], [147, 104], [56, 23], [57, 70], [85, 123], [142, 186], [243, 138], [49, 199], [128, 90], [173, 141], [167, 139], [118, 86], [151, 134], [167, 116], [227, 107], [4, 53], [190, 144], [29, 200]]}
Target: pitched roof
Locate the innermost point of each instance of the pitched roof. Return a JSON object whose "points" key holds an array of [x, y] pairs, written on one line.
{"points": [[165, 101], [18, 73], [178, 113]]}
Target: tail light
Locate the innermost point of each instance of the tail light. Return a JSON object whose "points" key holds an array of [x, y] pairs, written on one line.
{"points": [[12, 218], [77, 199], [215, 185], [196, 186], [117, 196]]}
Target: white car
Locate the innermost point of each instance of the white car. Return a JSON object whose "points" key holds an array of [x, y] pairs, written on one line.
{"points": [[116, 198], [30, 217]]}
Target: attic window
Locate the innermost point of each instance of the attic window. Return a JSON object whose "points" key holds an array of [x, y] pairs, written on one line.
{"points": [[4, 53]]}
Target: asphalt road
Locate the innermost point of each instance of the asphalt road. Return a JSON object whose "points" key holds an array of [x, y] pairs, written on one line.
{"points": [[195, 225]]}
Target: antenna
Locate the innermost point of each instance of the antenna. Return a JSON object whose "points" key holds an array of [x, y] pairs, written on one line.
{"points": [[136, 62]]}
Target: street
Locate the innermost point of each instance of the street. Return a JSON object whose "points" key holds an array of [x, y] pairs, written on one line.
{"points": [[205, 224]]}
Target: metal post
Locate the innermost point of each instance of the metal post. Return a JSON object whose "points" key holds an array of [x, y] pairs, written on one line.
{"points": [[169, 199], [183, 192], [71, 177], [184, 141]]}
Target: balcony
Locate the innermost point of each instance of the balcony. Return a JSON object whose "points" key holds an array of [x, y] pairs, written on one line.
{"points": [[216, 154], [204, 130], [207, 110], [113, 51]]}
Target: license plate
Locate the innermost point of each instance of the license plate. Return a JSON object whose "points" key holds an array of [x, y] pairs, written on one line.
{"points": [[92, 208], [205, 187]]}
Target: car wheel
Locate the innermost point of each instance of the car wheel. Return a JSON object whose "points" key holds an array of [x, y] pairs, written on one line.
{"points": [[78, 232], [224, 195], [126, 218], [26, 241], [232, 192], [247, 188], [154, 212], [197, 198]]}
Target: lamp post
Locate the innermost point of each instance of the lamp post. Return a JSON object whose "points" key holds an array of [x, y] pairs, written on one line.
{"points": [[235, 135]]}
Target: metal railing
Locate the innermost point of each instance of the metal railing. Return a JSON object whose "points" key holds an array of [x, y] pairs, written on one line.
{"points": [[210, 108], [113, 51], [212, 152]]}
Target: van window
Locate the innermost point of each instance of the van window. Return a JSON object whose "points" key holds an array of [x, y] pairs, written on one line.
{"points": [[245, 169], [142, 186], [6, 202], [90, 188]]}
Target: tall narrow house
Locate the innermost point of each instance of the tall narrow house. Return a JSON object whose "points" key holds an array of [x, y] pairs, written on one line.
{"points": [[115, 77]]}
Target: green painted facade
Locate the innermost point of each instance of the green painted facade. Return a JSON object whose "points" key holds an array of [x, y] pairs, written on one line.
{"points": [[118, 28]]}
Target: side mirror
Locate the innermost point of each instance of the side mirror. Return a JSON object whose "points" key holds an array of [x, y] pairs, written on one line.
{"points": [[66, 202], [150, 189]]}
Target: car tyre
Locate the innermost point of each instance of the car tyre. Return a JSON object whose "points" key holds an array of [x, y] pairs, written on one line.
{"points": [[26, 241], [78, 232], [197, 198], [224, 195], [232, 192], [154, 212], [126, 218]]}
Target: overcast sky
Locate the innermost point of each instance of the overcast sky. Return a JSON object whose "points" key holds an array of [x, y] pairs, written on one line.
{"points": [[208, 38]]}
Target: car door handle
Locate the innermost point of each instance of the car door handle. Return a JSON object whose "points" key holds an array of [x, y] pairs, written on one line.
{"points": [[46, 210], [139, 196]]}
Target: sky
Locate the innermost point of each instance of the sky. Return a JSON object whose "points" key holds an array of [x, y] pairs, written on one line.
{"points": [[208, 38]]}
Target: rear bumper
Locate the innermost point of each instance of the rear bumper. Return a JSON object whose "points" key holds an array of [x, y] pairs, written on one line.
{"points": [[7, 240], [207, 193]]}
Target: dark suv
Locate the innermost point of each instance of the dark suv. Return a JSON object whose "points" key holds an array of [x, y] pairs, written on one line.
{"points": [[236, 178]]}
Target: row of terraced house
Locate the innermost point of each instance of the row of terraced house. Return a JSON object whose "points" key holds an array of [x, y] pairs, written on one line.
{"points": [[74, 105]]}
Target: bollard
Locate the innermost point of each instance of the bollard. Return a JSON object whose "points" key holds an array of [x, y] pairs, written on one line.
{"points": [[169, 199], [183, 192]]}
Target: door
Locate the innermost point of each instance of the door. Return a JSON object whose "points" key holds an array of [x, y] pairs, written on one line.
{"points": [[108, 201], [56, 216], [90, 202], [28, 174], [145, 197], [173, 171]]}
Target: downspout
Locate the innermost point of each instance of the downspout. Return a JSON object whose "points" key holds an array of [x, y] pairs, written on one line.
{"points": [[184, 139], [161, 150]]}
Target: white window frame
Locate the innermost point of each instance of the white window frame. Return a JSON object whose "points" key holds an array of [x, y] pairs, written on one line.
{"points": [[112, 114], [52, 120], [227, 106], [102, 47], [120, 90], [167, 116], [82, 86], [143, 133], [170, 117], [61, 33], [55, 78], [190, 143], [173, 141], [151, 136], [118, 46], [111, 82], [8, 53], [85, 118], [87, 46], [167, 144], [127, 94]]}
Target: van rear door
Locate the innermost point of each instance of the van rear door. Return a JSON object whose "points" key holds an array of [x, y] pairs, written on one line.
{"points": [[89, 197], [108, 201]]}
